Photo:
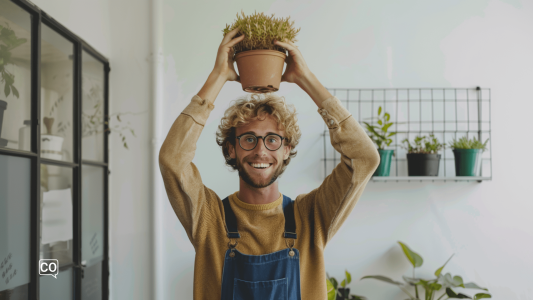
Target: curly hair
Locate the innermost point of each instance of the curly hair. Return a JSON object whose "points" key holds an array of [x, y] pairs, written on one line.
{"points": [[243, 110]]}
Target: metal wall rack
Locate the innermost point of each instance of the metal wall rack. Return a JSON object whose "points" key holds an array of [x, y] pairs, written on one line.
{"points": [[448, 113]]}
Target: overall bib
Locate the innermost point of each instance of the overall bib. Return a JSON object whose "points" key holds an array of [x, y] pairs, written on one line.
{"points": [[273, 276]]}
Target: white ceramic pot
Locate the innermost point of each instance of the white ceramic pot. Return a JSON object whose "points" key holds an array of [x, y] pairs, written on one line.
{"points": [[51, 148]]}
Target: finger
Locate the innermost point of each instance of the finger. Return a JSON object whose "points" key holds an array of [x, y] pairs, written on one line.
{"points": [[285, 45], [229, 36], [234, 41]]}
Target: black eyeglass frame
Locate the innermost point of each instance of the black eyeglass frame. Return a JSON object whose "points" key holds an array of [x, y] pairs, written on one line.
{"points": [[257, 140]]}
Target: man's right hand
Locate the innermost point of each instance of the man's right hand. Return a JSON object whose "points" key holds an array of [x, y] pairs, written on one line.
{"points": [[224, 62]]}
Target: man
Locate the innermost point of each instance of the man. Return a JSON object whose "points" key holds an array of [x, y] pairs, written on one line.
{"points": [[258, 243]]}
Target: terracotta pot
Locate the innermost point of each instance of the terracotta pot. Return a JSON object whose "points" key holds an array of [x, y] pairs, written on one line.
{"points": [[260, 70]]}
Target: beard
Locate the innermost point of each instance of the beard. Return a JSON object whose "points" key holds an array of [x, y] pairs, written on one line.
{"points": [[258, 184]]}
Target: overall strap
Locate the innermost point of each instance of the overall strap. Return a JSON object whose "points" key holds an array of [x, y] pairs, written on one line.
{"points": [[231, 220], [288, 212]]}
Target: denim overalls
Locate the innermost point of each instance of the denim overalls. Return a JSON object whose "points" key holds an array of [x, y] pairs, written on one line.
{"points": [[273, 276]]}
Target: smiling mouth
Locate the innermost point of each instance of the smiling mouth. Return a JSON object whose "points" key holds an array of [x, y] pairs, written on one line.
{"points": [[260, 166]]}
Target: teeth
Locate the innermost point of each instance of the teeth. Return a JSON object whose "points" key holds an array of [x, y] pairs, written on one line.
{"points": [[260, 165]]}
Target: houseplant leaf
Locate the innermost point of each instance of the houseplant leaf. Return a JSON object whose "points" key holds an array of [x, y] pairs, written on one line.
{"points": [[383, 278], [472, 285], [412, 281], [439, 270], [482, 296], [330, 290], [343, 283], [452, 294], [415, 259], [348, 277], [356, 297]]}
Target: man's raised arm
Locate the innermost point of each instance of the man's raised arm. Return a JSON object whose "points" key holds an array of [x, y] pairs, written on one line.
{"points": [[327, 207], [183, 182]]}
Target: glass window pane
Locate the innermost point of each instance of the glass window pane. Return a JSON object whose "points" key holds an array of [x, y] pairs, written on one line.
{"points": [[15, 199], [57, 289], [15, 76], [91, 283], [56, 95], [92, 203], [56, 213], [92, 82]]}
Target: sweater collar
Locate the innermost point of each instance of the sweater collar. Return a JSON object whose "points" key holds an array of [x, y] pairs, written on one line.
{"points": [[249, 206]]}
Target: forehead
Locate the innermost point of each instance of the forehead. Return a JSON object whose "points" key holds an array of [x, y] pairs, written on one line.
{"points": [[260, 126]]}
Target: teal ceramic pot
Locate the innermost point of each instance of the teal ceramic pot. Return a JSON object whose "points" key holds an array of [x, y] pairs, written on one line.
{"points": [[467, 162], [384, 163]]}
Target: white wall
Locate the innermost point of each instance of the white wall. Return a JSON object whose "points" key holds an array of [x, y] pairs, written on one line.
{"points": [[120, 30], [373, 44]]}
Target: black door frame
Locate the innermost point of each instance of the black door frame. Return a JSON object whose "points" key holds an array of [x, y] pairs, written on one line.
{"points": [[39, 17]]}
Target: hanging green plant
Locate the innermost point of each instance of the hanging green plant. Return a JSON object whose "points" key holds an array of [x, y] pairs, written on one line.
{"points": [[9, 42]]}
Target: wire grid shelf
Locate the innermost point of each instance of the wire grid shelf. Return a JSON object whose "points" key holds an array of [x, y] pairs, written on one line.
{"points": [[448, 113]]}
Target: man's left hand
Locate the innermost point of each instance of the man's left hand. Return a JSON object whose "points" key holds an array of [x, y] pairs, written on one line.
{"points": [[296, 69]]}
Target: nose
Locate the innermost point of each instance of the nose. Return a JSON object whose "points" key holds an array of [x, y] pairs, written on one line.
{"points": [[260, 147]]}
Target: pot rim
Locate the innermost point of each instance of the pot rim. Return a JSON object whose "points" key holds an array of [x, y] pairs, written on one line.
{"points": [[260, 52], [467, 150]]}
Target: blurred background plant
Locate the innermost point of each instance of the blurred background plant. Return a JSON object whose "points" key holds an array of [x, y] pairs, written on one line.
{"points": [[10, 42], [260, 32], [465, 143], [423, 144], [340, 292], [431, 286], [93, 120]]}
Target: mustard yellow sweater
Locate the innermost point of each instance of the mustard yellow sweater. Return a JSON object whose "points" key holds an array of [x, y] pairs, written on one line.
{"points": [[318, 214]]}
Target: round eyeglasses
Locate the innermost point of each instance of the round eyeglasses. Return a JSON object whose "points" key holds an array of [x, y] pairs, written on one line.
{"points": [[272, 141]]}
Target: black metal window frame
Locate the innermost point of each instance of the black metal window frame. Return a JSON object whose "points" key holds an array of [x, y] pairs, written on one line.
{"points": [[39, 17], [480, 100]]}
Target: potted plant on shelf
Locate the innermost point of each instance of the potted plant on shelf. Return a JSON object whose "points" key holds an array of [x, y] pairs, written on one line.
{"points": [[431, 287], [381, 136], [259, 60], [422, 158], [9, 41], [467, 155], [340, 292]]}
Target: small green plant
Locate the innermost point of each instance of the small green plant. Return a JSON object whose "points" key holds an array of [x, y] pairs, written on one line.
{"points": [[423, 144], [465, 143], [380, 134], [336, 291], [260, 32], [431, 286], [10, 42]]}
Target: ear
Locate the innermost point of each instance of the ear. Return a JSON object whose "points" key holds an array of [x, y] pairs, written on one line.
{"points": [[287, 150], [231, 150]]}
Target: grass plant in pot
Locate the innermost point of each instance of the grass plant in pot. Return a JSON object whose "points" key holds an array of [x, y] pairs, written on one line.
{"points": [[336, 291], [8, 42], [381, 136], [467, 155], [259, 60], [422, 158]]}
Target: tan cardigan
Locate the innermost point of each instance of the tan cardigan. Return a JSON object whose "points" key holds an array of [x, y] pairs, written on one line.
{"points": [[318, 214]]}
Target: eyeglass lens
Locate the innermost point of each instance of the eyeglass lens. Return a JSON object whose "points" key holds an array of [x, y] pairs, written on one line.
{"points": [[248, 142]]}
